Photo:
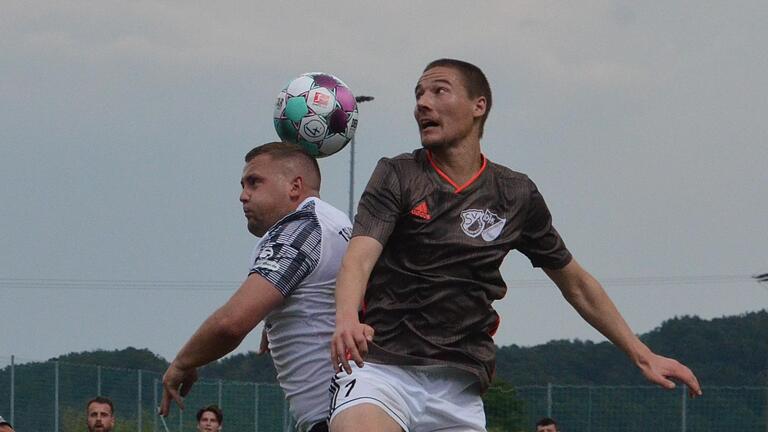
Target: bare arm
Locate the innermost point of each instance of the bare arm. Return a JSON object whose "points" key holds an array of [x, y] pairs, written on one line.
{"points": [[587, 296], [351, 337], [221, 333]]}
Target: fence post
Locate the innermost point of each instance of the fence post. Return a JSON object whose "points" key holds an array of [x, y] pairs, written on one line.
{"points": [[56, 396], [155, 404], [98, 380], [549, 399], [220, 390], [684, 408], [138, 404], [13, 387], [286, 416], [255, 407], [589, 408]]}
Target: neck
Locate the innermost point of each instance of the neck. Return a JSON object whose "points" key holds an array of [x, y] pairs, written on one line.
{"points": [[460, 163], [303, 197]]}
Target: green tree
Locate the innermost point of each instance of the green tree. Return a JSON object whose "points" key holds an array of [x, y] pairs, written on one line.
{"points": [[503, 410]]}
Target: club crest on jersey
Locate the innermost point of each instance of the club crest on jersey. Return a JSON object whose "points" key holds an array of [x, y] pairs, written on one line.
{"points": [[266, 252], [266, 265], [482, 223], [263, 261]]}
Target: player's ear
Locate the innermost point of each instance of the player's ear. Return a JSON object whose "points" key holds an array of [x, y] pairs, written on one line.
{"points": [[481, 105], [296, 187]]}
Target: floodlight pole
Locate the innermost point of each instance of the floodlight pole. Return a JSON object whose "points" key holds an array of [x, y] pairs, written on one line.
{"points": [[359, 100]]}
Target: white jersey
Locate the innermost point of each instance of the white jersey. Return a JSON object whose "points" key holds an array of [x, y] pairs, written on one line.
{"points": [[301, 255]]}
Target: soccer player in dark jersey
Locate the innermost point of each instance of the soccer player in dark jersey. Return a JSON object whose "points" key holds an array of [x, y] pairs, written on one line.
{"points": [[432, 230]]}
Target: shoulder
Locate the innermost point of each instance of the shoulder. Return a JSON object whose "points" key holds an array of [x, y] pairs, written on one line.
{"points": [[326, 214], [507, 173], [511, 178], [305, 214], [299, 224], [313, 218], [402, 161]]}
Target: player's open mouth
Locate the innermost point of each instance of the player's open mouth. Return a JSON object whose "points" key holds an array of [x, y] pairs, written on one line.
{"points": [[427, 123]]}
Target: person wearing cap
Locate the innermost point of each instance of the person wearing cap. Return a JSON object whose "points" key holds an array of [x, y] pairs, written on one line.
{"points": [[5, 426]]}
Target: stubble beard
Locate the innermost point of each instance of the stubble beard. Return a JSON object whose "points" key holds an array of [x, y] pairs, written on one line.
{"points": [[253, 228]]}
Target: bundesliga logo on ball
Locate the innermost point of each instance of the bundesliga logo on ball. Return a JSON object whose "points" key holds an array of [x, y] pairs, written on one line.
{"points": [[318, 111]]}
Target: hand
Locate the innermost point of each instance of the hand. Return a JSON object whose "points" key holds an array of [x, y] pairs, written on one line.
{"points": [[350, 341], [662, 370], [177, 383], [264, 344]]}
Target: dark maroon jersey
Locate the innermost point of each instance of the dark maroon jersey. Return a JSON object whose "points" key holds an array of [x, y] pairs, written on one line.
{"points": [[429, 297]]}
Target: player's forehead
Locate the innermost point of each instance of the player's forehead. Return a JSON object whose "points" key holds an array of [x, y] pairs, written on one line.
{"points": [[439, 74], [98, 407], [208, 415], [258, 165]]}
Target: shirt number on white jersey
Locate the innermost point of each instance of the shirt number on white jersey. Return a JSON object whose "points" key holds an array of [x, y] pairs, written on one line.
{"points": [[350, 386]]}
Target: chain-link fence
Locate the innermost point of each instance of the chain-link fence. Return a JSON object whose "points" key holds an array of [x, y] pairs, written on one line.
{"points": [[51, 397], [642, 408]]}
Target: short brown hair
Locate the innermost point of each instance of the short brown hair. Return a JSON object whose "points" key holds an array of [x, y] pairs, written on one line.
{"points": [[284, 150], [546, 421], [211, 408], [474, 81], [101, 400]]}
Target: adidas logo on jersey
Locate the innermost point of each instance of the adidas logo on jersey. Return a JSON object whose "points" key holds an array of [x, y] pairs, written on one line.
{"points": [[421, 211], [482, 223]]}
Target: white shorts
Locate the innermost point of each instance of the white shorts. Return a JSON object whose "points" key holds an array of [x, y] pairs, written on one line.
{"points": [[418, 398]]}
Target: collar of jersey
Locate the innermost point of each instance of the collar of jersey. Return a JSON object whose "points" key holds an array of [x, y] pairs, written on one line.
{"points": [[306, 201], [456, 187], [298, 208]]}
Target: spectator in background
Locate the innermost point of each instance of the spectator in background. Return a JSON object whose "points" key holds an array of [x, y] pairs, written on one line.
{"points": [[547, 424], [101, 414], [5, 426], [209, 419]]}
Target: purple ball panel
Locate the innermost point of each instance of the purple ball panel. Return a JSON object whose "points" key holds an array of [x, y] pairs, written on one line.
{"points": [[326, 81], [345, 98], [338, 121]]}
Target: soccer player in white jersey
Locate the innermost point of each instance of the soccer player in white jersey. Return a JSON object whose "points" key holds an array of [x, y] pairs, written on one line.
{"points": [[290, 285]]}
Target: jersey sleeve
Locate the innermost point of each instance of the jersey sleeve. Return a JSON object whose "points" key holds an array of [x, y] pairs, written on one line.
{"points": [[289, 253], [541, 242], [380, 204]]}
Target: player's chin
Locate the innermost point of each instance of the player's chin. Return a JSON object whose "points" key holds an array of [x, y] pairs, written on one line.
{"points": [[430, 141], [255, 229]]}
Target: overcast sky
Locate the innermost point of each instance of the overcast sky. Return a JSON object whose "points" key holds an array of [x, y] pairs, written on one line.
{"points": [[123, 126]]}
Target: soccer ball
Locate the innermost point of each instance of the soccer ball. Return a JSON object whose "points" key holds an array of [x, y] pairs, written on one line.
{"points": [[318, 111]]}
